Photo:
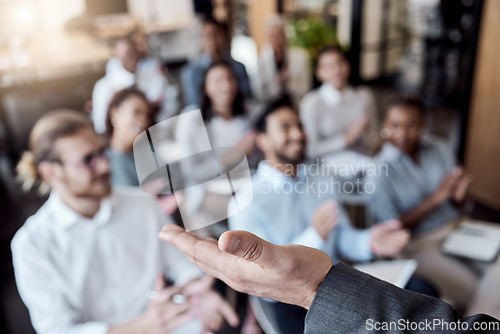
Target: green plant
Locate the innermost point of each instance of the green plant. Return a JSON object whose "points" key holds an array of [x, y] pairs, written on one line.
{"points": [[312, 34]]}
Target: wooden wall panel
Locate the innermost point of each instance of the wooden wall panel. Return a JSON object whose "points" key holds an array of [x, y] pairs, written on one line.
{"points": [[258, 12], [482, 155]]}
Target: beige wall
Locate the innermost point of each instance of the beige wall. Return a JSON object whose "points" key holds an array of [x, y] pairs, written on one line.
{"points": [[483, 136], [258, 12]]}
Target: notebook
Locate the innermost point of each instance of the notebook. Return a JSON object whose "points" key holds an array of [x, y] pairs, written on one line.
{"points": [[397, 272], [476, 240]]}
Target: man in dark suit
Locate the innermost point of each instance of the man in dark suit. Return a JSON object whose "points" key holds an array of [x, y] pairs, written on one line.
{"points": [[339, 299]]}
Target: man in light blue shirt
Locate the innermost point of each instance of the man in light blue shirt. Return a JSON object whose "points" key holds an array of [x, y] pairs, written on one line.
{"points": [[292, 205], [424, 189]]}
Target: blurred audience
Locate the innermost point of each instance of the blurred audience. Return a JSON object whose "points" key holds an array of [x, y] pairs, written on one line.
{"points": [[282, 69], [214, 47], [424, 188], [90, 261], [337, 116], [284, 210], [131, 67], [90, 258]]}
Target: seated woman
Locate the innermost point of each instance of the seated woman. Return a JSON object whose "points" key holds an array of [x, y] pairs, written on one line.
{"points": [[423, 188], [223, 123], [129, 114], [223, 110], [337, 116]]}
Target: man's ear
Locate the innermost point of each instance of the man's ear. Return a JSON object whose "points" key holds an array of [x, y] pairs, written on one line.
{"points": [[112, 115], [46, 170], [262, 141]]}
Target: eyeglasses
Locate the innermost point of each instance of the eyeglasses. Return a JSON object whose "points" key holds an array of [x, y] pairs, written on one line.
{"points": [[90, 160]]}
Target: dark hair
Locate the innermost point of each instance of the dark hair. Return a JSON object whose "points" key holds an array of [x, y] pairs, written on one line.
{"points": [[282, 102], [406, 99], [331, 49], [117, 100], [206, 105], [210, 20]]}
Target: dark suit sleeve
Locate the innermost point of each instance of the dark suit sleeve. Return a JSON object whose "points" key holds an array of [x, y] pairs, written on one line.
{"points": [[349, 301]]}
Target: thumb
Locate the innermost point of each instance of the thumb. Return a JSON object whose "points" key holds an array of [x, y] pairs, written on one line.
{"points": [[247, 246], [159, 282]]}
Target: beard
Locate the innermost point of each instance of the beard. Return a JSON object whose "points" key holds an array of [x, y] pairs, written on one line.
{"points": [[289, 159], [97, 188]]}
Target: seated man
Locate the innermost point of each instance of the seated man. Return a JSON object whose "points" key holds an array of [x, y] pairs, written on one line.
{"points": [[129, 67], [337, 116], [214, 45], [424, 188], [292, 205], [282, 69], [87, 261]]}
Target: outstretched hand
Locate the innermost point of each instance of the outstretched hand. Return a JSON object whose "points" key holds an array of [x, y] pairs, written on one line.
{"points": [[291, 274]]}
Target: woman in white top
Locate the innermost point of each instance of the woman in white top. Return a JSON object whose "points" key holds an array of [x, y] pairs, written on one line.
{"points": [[337, 116], [223, 123], [223, 111]]}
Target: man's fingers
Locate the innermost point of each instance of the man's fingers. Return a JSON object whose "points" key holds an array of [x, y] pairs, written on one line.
{"points": [[167, 293], [174, 322], [204, 254], [160, 283], [229, 314]]}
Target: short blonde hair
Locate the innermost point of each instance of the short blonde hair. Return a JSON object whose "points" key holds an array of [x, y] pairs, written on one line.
{"points": [[47, 130]]}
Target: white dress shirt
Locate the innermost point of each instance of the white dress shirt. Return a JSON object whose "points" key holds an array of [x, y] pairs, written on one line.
{"points": [[79, 275]]}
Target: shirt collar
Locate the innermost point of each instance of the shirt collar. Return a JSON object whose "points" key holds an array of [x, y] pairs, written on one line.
{"points": [[120, 77], [333, 96], [390, 152], [270, 175], [65, 217]]}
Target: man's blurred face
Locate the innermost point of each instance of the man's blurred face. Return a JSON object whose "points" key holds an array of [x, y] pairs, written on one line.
{"points": [[213, 41], [82, 171], [284, 140], [405, 125], [276, 37], [127, 53]]}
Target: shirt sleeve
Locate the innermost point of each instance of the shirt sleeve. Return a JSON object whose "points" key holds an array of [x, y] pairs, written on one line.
{"points": [[354, 244], [445, 152], [256, 221], [38, 285], [380, 204], [176, 265], [188, 85], [101, 96]]}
